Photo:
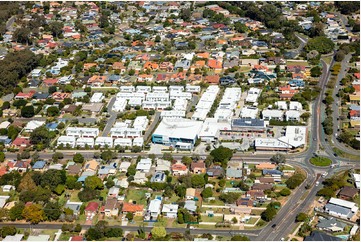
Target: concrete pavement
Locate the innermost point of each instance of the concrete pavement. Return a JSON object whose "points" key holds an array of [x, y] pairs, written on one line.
{"points": [[112, 118]]}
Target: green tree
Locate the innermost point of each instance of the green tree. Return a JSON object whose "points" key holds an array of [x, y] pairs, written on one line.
{"points": [[93, 182], [87, 194], [40, 137], [321, 43], [57, 156], [222, 155], [340, 55], [16, 212], [268, 214], [207, 192], [52, 89], [33, 213], [301, 217], [59, 189], [158, 233], [295, 180], [316, 71], [285, 192], [8, 230], [305, 116], [107, 155], [27, 183], [52, 178], [129, 216], [198, 181], [278, 159], [52, 111], [78, 158], [2, 156], [110, 183], [27, 112], [187, 161], [131, 170], [230, 197], [52, 211]]}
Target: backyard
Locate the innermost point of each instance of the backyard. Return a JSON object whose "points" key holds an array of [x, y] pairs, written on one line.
{"points": [[137, 195]]}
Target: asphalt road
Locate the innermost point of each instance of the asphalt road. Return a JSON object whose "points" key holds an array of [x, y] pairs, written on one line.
{"points": [[336, 108]]}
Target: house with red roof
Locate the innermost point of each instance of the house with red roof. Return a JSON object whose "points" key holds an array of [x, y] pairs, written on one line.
{"points": [[216, 65], [135, 209], [287, 92], [21, 142], [91, 209], [77, 238], [179, 169], [50, 82], [212, 79], [357, 75], [22, 95], [354, 114]]}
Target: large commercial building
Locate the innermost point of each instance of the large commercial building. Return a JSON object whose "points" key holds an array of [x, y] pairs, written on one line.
{"points": [[177, 132]]}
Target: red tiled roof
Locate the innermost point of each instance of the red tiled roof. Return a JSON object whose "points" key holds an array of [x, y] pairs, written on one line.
{"points": [[21, 141], [92, 206], [130, 207]]}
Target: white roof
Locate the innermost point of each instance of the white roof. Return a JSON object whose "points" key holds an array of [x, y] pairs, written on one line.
{"points": [[281, 104], [97, 97], [295, 136], [40, 237], [293, 113], [17, 237], [144, 164], [272, 113], [33, 124], [170, 208], [3, 200], [104, 139], [4, 124], [179, 128], [154, 205], [65, 138], [248, 112], [270, 142], [342, 203], [124, 165], [210, 127]]}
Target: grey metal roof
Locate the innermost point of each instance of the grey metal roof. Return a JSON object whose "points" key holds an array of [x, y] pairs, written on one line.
{"points": [[338, 209], [243, 122], [320, 236]]}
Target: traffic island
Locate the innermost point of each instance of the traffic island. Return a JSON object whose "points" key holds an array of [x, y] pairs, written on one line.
{"points": [[320, 161]]}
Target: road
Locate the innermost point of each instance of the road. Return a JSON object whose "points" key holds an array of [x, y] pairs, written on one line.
{"points": [[112, 118], [336, 108]]}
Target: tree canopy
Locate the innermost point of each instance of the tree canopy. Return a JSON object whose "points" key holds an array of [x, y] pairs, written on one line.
{"points": [[321, 43]]}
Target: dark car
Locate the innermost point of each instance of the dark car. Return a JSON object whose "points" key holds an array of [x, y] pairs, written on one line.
{"points": [[274, 226], [335, 154]]}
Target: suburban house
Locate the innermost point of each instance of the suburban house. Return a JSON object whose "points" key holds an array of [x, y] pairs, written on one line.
{"points": [[348, 193], [75, 206], [179, 169], [163, 165], [91, 165], [330, 225], [198, 167], [154, 208], [341, 208], [190, 193], [170, 210], [144, 165], [135, 209], [111, 207], [91, 209]]}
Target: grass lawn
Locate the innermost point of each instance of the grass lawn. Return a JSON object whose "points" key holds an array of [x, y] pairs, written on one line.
{"points": [[213, 202], [175, 224], [327, 59], [256, 211], [320, 161], [345, 155], [66, 236], [252, 221], [173, 199], [81, 219], [74, 196], [50, 232], [214, 219], [137, 195]]}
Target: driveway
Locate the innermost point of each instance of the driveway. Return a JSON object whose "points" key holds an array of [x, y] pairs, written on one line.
{"points": [[112, 118]]}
